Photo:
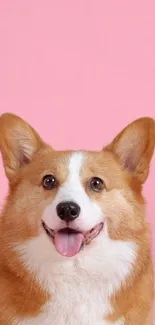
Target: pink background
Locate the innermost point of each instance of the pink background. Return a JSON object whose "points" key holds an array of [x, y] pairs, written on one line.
{"points": [[78, 70]]}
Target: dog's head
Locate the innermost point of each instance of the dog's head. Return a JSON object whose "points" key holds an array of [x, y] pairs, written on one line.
{"points": [[73, 202]]}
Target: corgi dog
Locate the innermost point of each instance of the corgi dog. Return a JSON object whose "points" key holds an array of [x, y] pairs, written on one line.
{"points": [[75, 245]]}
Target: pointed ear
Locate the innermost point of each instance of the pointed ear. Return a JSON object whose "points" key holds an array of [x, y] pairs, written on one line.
{"points": [[134, 147], [18, 142]]}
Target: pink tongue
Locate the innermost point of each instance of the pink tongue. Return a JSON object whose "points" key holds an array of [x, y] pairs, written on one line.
{"points": [[68, 244]]}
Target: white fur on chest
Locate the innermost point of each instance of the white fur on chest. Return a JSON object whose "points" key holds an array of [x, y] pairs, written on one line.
{"points": [[74, 304], [80, 287], [77, 300]]}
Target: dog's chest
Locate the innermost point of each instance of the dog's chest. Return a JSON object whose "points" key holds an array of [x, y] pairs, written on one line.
{"points": [[74, 302]]}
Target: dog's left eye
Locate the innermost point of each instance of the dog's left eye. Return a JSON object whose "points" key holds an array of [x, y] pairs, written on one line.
{"points": [[96, 184], [49, 182]]}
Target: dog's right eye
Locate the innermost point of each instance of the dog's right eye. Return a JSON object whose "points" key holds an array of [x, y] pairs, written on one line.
{"points": [[49, 182]]}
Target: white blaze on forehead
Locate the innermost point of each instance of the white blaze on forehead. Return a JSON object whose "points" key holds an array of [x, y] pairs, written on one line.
{"points": [[73, 190], [76, 162], [75, 165], [73, 186]]}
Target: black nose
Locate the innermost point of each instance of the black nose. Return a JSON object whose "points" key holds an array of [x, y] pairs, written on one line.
{"points": [[68, 211]]}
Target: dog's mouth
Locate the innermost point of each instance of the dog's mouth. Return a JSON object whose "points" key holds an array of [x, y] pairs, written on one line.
{"points": [[68, 242]]}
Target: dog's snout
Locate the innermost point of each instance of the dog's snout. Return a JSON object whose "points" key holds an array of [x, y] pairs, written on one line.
{"points": [[68, 211]]}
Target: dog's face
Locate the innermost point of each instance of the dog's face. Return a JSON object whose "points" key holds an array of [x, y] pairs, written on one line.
{"points": [[73, 201]]}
